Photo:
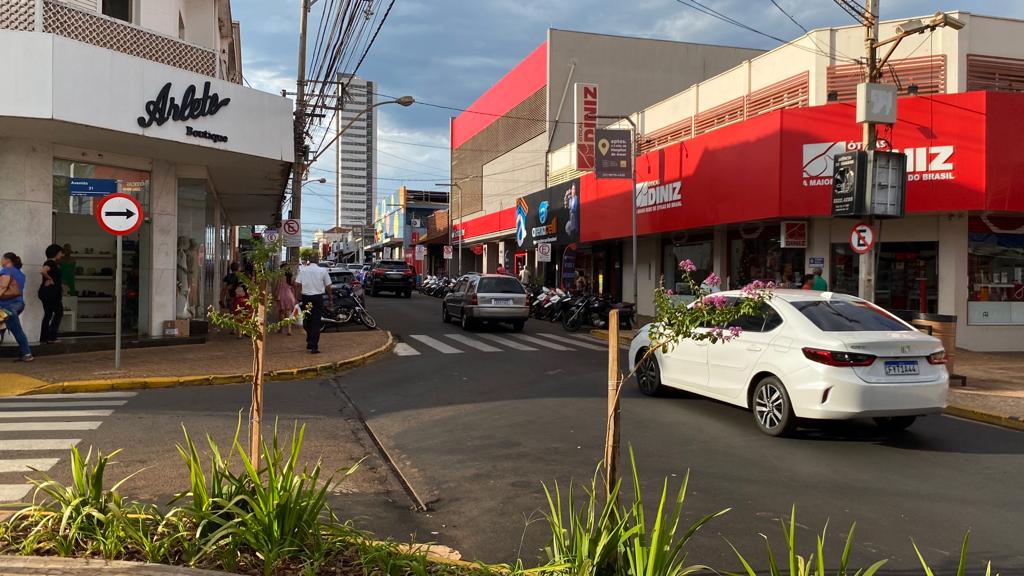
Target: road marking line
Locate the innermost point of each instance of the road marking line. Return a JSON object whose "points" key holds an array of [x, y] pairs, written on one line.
{"points": [[74, 396], [573, 341], [14, 492], [403, 349], [540, 342], [507, 342], [47, 426], [62, 404], [27, 464], [54, 413], [436, 344], [473, 343], [39, 444]]}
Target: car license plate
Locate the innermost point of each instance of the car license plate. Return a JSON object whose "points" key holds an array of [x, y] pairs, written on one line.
{"points": [[394, 276], [900, 367], [501, 302]]}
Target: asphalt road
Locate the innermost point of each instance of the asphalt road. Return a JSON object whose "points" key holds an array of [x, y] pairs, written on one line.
{"points": [[478, 424]]}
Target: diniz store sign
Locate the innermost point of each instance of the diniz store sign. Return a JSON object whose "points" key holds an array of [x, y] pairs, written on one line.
{"points": [[655, 196], [191, 106], [926, 163], [585, 118]]}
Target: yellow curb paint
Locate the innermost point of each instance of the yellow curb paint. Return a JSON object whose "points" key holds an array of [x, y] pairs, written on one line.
{"points": [[107, 384], [994, 419], [16, 384]]}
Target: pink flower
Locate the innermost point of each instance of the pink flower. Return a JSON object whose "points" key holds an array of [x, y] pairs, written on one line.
{"points": [[716, 332], [670, 292], [713, 280], [687, 266], [716, 300], [735, 331], [754, 287]]}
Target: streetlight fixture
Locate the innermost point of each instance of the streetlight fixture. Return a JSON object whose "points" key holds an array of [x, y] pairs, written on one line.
{"points": [[318, 180]]}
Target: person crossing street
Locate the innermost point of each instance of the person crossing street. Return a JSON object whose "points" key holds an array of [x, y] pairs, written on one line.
{"points": [[314, 285]]}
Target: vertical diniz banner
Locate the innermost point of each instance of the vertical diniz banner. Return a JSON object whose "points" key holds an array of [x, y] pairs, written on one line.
{"points": [[585, 118]]}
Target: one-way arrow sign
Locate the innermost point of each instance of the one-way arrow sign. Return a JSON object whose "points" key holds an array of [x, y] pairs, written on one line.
{"points": [[119, 214]]}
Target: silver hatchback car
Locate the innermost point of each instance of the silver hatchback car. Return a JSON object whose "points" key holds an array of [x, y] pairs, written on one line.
{"points": [[486, 298]]}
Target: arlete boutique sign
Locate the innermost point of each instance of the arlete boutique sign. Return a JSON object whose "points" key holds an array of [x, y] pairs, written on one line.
{"points": [[191, 107]]}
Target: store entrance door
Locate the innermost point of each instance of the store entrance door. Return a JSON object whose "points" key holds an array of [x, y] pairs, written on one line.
{"points": [[908, 276]]}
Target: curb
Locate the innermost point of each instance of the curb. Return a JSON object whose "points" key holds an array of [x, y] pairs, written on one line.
{"points": [[603, 335], [145, 383], [1011, 422]]}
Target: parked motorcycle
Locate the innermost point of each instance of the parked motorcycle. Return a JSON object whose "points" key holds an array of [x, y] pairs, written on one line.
{"points": [[594, 310], [347, 307]]}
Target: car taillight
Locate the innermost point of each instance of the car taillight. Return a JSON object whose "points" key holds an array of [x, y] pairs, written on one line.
{"points": [[408, 272], [937, 358], [834, 358], [473, 300], [378, 272]]}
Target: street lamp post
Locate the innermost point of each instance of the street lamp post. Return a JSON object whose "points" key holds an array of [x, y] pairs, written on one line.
{"points": [[450, 185], [632, 124]]}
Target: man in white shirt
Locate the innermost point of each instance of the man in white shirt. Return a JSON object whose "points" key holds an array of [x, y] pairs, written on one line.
{"points": [[314, 283]]}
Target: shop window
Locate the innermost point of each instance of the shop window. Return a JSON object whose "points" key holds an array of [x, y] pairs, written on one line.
{"points": [[192, 295], [756, 253], [907, 275], [89, 268], [674, 278], [995, 265]]}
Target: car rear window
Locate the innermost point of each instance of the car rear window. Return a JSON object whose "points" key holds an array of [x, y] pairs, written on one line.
{"points": [[499, 286], [342, 277], [393, 265], [845, 316]]}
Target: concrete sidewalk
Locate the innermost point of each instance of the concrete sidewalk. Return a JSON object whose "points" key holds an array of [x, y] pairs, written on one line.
{"points": [[995, 384], [54, 566], [223, 359]]}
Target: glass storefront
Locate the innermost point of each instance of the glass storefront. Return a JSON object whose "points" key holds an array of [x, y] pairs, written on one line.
{"points": [[695, 248], [193, 292], [91, 252], [756, 253], [907, 275], [995, 265]]}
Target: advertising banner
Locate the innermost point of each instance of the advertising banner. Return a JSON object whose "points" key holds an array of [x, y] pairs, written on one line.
{"points": [[585, 118], [549, 216], [614, 153]]}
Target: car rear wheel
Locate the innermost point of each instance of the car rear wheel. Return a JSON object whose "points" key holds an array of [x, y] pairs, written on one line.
{"points": [[895, 424], [467, 323], [648, 374], [408, 293], [773, 412], [445, 317]]}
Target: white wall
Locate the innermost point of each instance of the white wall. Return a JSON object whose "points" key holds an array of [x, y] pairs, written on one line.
{"points": [[161, 15], [648, 272], [26, 195]]}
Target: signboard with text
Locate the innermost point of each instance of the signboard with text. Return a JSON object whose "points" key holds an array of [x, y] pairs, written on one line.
{"points": [[614, 149], [291, 232], [793, 234], [585, 119], [91, 186], [552, 215], [544, 252], [848, 183]]}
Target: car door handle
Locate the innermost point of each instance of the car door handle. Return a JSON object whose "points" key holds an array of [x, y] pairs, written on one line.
{"points": [[754, 348]]}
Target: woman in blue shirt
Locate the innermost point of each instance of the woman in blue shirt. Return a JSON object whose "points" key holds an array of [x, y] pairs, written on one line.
{"points": [[12, 300]]}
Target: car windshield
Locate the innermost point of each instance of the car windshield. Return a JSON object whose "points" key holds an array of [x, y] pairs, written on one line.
{"points": [[499, 286], [848, 316], [393, 265]]}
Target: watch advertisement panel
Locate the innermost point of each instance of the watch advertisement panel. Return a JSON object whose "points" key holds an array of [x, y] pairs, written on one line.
{"points": [[550, 216]]}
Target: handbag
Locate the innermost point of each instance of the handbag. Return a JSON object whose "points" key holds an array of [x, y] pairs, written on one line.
{"points": [[13, 290]]}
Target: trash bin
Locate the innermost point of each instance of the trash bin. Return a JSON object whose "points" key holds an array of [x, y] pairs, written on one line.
{"points": [[943, 327]]}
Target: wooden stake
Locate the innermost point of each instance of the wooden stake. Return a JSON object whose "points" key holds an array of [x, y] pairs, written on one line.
{"points": [[256, 416], [611, 442]]}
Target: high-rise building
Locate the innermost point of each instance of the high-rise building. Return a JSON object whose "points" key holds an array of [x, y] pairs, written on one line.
{"points": [[356, 155]]}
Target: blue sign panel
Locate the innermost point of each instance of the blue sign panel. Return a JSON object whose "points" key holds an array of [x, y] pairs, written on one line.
{"points": [[91, 186]]}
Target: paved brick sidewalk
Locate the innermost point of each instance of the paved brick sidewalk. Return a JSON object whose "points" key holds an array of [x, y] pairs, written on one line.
{"points": [[221, 355], [995, 383], [52, 566]]}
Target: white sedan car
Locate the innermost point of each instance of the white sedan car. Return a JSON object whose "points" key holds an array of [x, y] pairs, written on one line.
{"points": [[816, 355]]}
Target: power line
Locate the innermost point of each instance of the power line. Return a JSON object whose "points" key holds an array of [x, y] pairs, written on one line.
{"points": [[805, 30]]}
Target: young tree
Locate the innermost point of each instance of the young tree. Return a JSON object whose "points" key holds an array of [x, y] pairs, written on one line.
{"points": [[251, 321]]}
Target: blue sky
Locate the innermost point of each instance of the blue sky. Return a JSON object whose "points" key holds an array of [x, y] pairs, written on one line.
{"points": [[449, 51]]}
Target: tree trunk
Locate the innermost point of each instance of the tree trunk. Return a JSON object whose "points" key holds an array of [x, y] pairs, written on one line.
{"points": [[256, 414]]}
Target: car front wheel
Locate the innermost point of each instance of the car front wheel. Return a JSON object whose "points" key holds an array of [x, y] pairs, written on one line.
{"points": [[773, 412], [648, 374], [444, 314]]}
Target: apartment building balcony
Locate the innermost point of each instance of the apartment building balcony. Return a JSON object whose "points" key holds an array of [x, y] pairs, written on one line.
{"points": [[64, 19]]}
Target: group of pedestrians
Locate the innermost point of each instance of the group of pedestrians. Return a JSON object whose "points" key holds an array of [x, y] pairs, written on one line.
{"points": [[51, 295]]}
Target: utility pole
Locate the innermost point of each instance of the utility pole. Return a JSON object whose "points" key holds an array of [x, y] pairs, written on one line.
{"points": [[866, 277], [299, 123]]}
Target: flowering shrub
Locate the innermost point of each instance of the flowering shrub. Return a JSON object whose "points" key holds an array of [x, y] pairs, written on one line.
{"points": [[709, 315]]}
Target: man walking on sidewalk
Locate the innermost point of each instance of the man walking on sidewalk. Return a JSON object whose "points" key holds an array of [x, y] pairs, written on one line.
{"points": [[314, 284]]}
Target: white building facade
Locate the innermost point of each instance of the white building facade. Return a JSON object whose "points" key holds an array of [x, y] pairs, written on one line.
{"points": [[142, 97], [356, 154]]}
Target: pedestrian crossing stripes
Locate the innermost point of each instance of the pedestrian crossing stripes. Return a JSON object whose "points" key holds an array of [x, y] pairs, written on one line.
{"points": [[460, 343], [37, 431]]}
